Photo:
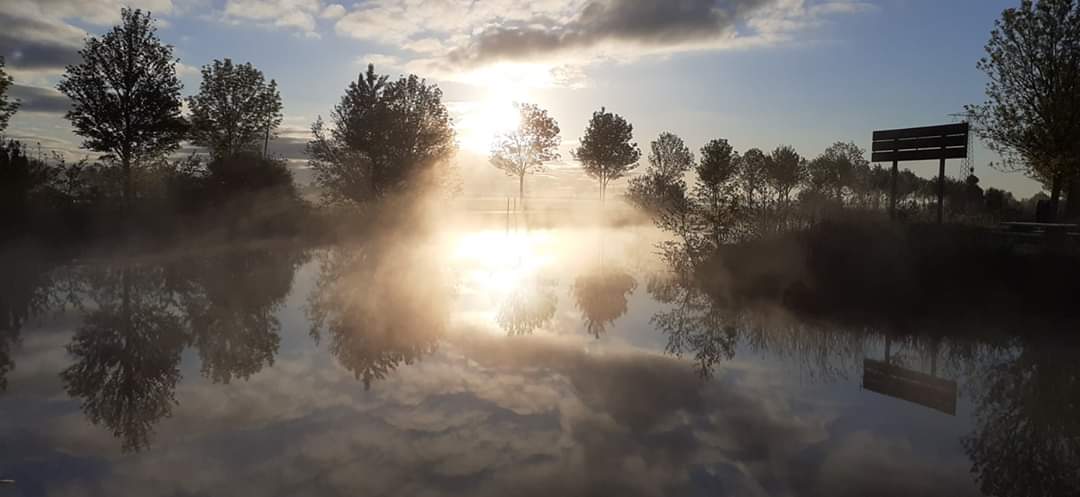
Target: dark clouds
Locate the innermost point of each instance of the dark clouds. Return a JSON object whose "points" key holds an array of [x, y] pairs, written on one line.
{"points": [[44, 100], [33, 44], [644, 23]]}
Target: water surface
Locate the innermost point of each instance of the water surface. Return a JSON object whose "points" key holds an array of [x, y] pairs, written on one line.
{"points": [[568, 361]]}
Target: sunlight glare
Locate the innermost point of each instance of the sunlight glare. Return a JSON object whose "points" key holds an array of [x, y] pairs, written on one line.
{"points": [[480, 122]]}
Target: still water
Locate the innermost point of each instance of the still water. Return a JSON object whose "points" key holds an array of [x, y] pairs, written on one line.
{"points": [[497, 362]]}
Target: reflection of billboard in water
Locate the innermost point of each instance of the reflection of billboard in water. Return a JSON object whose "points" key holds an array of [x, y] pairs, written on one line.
{"points": [[912, 386]]}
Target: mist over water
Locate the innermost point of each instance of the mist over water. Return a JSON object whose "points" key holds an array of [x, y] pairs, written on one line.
{"points": [[498, 355]]}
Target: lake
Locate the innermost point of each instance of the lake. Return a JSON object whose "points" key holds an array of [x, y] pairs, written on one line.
{"points": [[497, 361]]}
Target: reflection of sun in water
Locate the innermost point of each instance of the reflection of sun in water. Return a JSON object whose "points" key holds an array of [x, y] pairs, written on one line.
{"points": [[493, 264]]}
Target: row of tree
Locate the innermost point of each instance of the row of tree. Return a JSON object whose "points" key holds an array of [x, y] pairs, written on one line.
{"points": [[396, 136], [126, 104]]}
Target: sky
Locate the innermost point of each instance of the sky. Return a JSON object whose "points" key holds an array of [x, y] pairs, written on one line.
{"points": [[759, 73]]}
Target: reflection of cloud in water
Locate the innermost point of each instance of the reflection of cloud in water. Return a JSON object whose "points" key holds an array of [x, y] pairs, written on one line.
{"points": [[491, 416]]}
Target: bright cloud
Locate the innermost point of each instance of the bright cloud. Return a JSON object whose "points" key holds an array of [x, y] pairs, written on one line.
{"points": [[451, 38]]}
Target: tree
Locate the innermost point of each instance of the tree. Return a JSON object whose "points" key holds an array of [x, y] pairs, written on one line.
{"points": [[670, 157], [385, 137], [718, 166], [235, 109], [837, 168], [525, 150], [662, 187], [784, 170], [1032, 112], [715, 189], [606, 152], [7, 106], [752, 177], [126, 96]]}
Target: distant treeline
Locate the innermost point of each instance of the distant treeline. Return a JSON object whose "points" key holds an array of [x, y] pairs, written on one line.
{"points": [[755, 193]]}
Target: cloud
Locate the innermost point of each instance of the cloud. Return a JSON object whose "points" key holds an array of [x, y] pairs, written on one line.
{"points": [[43, 100], [447, 37], [333, 11], [491, 416], [96, 12], [38, 44], [293, 14]]}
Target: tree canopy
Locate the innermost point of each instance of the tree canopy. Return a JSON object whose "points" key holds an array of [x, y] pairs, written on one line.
{"points": [[1032, 110], [384, 137], [7, 105], [784, 170], [125, 95], [235, 109], [662, 187], [525, 149], [607, 151]]}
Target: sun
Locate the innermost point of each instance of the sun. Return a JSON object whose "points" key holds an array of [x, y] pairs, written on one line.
{"points": [[481, 121]]}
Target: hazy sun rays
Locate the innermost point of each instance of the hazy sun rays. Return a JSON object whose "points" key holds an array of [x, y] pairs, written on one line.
{"points": [[482, 120]]}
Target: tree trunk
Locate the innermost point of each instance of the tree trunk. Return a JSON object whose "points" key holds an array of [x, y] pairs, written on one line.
{"points": [[266, 141], [521, 188], [1072, 200], [128, 194], [1055, 196]]}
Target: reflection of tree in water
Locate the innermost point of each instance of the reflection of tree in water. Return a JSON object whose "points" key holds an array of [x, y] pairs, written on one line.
{"points": [[141, 316], [1027, 439], [602, 296], [383, 305], [232, 310], [127, 353], [693, 325], [26, 283], [528, 307]]}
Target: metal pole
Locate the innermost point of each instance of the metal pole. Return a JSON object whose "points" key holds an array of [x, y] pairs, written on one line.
{"points": [[941, 193], [892, 189]]}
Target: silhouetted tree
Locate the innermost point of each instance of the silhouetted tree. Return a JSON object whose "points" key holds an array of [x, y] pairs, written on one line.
{"points": [[127, 354], [7, 105], [525, 150], [753, 176], [126, 96], [784, 170], [837, 169], [235, 110], [606, 150], [21, 179], [662, 187], [1033, 92], [715, 188], [386, 137]]}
